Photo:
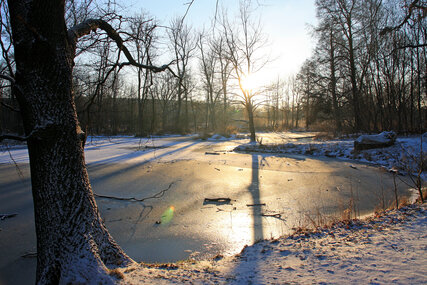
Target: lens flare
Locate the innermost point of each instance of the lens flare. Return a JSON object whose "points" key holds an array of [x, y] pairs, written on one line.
{"points": [[167, 215]]}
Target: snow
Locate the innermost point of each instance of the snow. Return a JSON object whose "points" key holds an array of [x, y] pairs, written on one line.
{"points": [[385, 249], [404, 155], [384, 137], [388, 248]]}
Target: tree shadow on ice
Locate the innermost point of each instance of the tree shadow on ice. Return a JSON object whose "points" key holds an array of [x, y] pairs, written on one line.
{"points": [[250, 271], [256, 206]]}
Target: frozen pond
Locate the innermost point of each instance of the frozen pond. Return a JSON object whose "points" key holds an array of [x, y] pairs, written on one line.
{"points": [[268, 194]]}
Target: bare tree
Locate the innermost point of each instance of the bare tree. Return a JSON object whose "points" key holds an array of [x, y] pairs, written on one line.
{"points": [[244, 42], [142, 34], [183, 44], [225, 69], [208, 65]]}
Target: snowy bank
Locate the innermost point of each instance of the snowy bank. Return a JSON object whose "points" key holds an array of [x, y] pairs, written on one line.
{"points": [[384, 249], [404, 155]]}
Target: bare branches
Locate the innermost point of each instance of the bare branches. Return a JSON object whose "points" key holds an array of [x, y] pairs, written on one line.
{"points": [[412, 46], [89, 25], [9, 107], [413, 6], [7, 77], [13, 137], [188, 8]]}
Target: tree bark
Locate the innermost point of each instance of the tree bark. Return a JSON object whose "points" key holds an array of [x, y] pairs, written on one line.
{"points": [[73, 245]]}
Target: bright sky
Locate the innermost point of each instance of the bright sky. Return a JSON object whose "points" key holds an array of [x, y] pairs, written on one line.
{"points": [[285, 22]]}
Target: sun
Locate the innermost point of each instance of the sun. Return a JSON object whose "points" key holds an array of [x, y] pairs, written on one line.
{"points": [[248, 82]]}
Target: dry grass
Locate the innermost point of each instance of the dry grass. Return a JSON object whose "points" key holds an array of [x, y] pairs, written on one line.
{"points": [[116, 273], [324, 136]]}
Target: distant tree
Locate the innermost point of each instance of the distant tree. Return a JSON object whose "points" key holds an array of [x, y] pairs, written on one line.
{"points": [[225, 69], [244, 42], [182, 44], [142, 35], [208, 70]]}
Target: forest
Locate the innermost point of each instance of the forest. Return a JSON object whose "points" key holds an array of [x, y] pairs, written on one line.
{"points": [[367, 73], [70, 69]]}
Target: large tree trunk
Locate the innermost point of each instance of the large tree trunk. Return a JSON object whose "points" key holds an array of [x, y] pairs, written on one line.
{"points": [[73, 245]]}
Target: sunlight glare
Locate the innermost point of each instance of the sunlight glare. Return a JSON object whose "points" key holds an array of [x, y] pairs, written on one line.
{"points": [[249, 82]]}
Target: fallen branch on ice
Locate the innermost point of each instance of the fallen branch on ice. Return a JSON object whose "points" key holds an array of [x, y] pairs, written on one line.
{"points": [[133, 199], [30, 255], [279, 216], [217, 201], [253, 205], [6, 216]]}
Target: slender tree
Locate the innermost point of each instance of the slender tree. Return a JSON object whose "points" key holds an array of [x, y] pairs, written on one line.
{"points": [[244, 41]]}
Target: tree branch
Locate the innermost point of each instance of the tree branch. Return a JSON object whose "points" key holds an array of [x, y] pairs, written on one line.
{"points": [[9, 107], [13, 137], [412, 6], [7, 77], [412, 46], [90, 25], [133, 199]]}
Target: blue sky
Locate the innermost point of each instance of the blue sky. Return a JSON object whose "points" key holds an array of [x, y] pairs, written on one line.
{"points": [[284, 21]]}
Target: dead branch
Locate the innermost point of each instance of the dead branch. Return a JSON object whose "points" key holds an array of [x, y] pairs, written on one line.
{"points": [[90, 25], [6, 216], [9, 107], [414, 5], [253, 205], [13, 137], [278, 216], [217, 200], [133, 199], [7, 77], [30, 255]]}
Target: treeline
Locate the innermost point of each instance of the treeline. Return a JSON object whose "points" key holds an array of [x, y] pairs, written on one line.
{"points": [[201, 89], [368, 71]]}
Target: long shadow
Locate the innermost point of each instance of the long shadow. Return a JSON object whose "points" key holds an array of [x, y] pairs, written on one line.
{"points": [[135, 154], [111, 171], [256, 206], [255, 277]]}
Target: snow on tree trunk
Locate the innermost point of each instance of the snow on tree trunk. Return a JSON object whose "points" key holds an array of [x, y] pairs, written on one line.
{"points": [[73, 245]]}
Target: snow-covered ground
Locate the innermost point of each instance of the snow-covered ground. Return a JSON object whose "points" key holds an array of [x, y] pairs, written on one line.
{"points": [[386, 249], [391, 248], [403, 156]]}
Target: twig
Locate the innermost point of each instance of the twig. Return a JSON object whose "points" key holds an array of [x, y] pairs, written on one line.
{"points": [[13, 109], [279, 216], [253, 205], [211, 153], [16, 165], [30, 255], [188, 8], [133, 199], [6, 216], [13, 137], [217, 200]]}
